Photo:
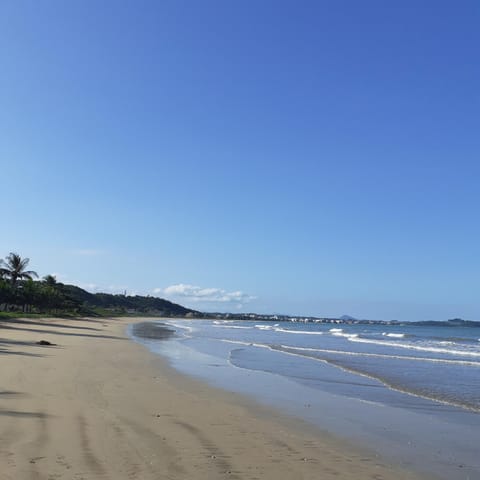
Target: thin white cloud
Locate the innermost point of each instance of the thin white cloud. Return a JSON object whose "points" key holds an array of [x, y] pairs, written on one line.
{"points": [[193, 293], [94, 288], [89, 287]]}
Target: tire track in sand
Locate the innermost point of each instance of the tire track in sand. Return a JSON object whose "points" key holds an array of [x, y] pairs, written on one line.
{"points": [[165, 458], [223, 466], [91, 459]]}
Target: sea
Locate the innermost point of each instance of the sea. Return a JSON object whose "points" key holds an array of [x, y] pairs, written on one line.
{"points": [[409, 393]]}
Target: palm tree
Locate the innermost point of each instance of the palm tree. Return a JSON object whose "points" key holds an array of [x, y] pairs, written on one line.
{"points": [[14, 268]]}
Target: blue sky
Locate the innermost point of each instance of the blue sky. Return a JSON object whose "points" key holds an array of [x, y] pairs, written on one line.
{"points": [[302, 157]]}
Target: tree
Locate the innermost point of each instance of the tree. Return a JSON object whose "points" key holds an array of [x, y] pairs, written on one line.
{"points": [[14, 268], [27, 295], [6, 294], [50, 280]]}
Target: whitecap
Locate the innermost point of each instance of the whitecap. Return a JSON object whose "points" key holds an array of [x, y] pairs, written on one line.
{"points": [[302, 332], [233, 326], [421, 348]]}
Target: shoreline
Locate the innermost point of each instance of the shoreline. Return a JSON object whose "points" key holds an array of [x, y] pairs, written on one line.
{"points": [[404, 430], [98, 405]]}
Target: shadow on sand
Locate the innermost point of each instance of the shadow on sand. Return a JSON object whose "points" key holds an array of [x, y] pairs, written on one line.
{"points": [[16, 413], [57, 332], [22, 321]]}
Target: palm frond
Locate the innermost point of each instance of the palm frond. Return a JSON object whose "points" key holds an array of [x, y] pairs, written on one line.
{"points": [[23, 263], [28, 274]]}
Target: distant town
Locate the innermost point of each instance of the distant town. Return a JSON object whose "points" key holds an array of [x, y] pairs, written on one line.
{"points": [[343, 320]]}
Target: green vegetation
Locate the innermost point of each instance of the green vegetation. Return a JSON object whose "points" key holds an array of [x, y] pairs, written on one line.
{"points": [[21, 294]]}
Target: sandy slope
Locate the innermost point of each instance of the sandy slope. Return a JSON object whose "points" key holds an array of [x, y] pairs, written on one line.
{"points": [[101, 406]]}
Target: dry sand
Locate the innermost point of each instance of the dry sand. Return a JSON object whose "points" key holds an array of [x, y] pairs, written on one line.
{"points": [[100, 406]]}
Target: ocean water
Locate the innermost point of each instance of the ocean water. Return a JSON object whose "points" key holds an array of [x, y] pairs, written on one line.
{"points": [[411, 393]]}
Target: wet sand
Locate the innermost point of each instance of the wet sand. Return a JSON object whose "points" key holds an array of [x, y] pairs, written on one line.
{"points": [[98, 405]]}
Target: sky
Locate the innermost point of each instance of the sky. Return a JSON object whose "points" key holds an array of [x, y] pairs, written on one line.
{"points": [[299, 157]]}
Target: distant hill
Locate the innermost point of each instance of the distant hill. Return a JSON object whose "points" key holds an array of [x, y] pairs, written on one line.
{"points": [[347, 317], [130, 304]]}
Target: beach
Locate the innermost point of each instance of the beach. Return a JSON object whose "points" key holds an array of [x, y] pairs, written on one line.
{"points": [[97, 405]]}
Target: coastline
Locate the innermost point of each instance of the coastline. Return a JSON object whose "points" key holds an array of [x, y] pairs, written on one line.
{"points": [[98, 405]]}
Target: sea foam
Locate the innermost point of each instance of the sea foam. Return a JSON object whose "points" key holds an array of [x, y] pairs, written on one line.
{"points": [[420, 348], [301, 332]]}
